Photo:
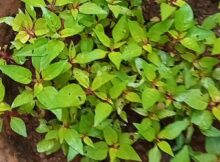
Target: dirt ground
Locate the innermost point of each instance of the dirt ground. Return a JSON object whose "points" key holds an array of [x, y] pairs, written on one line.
{"points": [[14, 148]]}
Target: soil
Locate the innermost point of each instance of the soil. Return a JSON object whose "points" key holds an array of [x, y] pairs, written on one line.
{"points": [[14, 148]]}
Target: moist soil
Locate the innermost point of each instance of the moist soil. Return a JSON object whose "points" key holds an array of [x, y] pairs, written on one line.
{"points": [[14, 148]]}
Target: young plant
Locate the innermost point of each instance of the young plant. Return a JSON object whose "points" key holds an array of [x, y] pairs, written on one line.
{"points": [[112, 79]]}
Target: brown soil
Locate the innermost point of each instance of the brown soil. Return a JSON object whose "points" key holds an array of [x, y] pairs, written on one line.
{"points": [[8, 7], [14, 148]]}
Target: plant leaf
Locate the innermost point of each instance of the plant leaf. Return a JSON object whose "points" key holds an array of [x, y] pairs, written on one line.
{"points": [[154, 154], [82, 77], [23, 98], [98, 152], [70, 95], [35, 3], [184, 18], [166, 10], [127, 152], [18, 126], [101, 79], [165, 147], [2, 91], [100, 33], [149, 97], [102, 111], [137, 32], [17, 73], [87, 57], [73, 139], [173, 130], [53, 70], [120, 30], [182, 155], [203, 119], [91, 8]]}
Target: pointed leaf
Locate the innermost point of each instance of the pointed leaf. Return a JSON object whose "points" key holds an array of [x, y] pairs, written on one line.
{"points": [[18, 126], [101, 79], [102, 111], [91, 8], [17, 73], [149, 97], [173, 130], [182, 155], [165, 147], [127, 152], [166, 10]]}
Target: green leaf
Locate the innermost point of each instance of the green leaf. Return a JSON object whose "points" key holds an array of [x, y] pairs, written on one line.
{"points": [[173, 130], [100, 33], [166, 10], [18, 126], [67, 32], [2, 91], [115, 58], [47, 97], [211, 21], [82, 77], [195, 95], [165, 147], [53, 21], [46, 54], [131, 51], [98, 152], [182, 155], [87, 57], [184, 18], [41, 27], [25, 97], [102, 111], [63, 2], [88, 141], [126, 152], [216, 47], [203, 119], [216, 112], [8, 20], [212, 145], [70, 95], [154, 154], [209, 84], [45, 145], [112, 154], [216, 73], [149, 97], [91, 8], [211, 132], [205, 157], [73, 139], [53, 70], [22, 36], [158, 29], [149, 71], [208, 62], [137, 32], [110, 135], [133, 97], [71, 154], [120, 30], [35, 3], [191, 43], [101, 79], [118, 9], [86, 44], [17, 73]]}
